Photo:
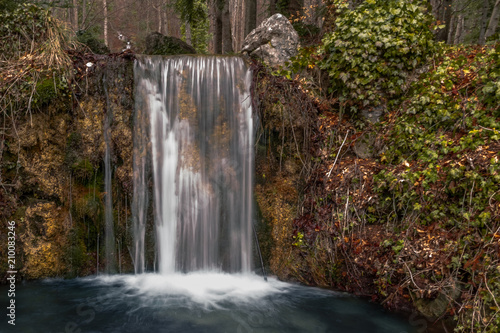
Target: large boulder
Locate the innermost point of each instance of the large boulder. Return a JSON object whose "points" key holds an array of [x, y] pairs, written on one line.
{"points": [[274, 41], [158, 44]]}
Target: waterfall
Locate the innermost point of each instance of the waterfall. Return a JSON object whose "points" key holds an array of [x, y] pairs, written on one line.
{"points": [[194, 124]]}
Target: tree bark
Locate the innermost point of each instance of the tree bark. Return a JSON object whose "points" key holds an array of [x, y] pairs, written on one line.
{"points": [[495, 16], [75, 15], [459, 30], [272, 7], [445, 16], [484, 22], [227, 38], [436, 8], [251, 16], [105, 13], [217, 12], [188, 33], [451, 30], [84, 13], [165, 19]]}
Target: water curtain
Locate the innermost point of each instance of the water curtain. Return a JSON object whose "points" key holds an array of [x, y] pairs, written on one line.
{"points": [[194, 133]]}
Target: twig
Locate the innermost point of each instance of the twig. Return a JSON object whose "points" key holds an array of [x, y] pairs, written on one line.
{"points": [[338, 154], [411, 276]]}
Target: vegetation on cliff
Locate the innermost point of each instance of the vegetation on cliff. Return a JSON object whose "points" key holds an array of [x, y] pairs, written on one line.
{"points": [[54, 98], [406, 210]]}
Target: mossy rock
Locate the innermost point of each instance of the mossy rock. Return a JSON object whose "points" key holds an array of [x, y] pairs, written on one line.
{"points": [[95, 45], [435, 308], [45, 92], [83, 171], [158, 44]]}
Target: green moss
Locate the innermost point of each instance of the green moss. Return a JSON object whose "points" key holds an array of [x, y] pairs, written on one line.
{"points": [[157, 44], [89, 208], [45, 92], [83, 171], [95, 44], [76, 255]]}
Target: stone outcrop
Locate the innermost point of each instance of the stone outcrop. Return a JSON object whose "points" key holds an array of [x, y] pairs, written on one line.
{"points": [[158, 44], [274, 41], [52, 174]]}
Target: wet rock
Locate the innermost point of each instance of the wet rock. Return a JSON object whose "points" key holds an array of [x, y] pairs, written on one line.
{"points": [[274, 41], [44, 239], [435, 308]]}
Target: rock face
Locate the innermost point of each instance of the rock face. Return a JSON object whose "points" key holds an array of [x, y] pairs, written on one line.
{"points": [[274, 41], [52, 175], [158, 44]]}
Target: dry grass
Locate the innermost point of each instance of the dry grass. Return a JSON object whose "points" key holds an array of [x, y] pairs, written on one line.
{"points": [[34, 51]]}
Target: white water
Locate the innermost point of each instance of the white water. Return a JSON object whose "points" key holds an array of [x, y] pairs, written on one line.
{"points": [[200, 141], [209, 290]]}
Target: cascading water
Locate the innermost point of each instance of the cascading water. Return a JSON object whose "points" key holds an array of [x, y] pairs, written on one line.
{"points": [[196, 114]]}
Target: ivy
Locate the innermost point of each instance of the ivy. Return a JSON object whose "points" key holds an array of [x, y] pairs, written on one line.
{"points": [[442, 165], [374, 48]]}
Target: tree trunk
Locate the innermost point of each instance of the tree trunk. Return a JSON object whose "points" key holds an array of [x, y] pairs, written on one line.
{"points": [[495, 16], [165, 20], [484, 22], [227, 39], [84, 14], [251, 16], [188, 33], [451, 30], [75, 15], [444, 16], [159, 8], [436, 8], [217, 26], [457, 39], [272, 7], [105, 13]]}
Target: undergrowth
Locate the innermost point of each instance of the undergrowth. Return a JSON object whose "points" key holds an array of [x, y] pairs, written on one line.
{"points": [[34, 64], [415, 222]]}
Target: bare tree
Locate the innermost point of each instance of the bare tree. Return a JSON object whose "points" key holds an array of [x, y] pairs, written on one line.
{"points": [[222, 40], [250, 16], [75, 15], [105, 14], [495, 16], [484, 21], [227, 38], [216, 14], [459, 28]]}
